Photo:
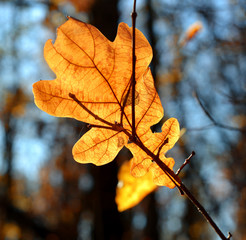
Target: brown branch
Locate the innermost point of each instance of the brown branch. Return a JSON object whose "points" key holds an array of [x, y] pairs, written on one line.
{"points": [[172, 176], [182, 188], [134, 16]]}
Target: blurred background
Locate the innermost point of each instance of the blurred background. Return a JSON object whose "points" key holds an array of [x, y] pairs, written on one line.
{"points": [[45, 194]]}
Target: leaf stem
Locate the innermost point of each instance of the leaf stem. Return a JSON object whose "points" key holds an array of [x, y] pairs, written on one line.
{"points": [[134, 16], [71, 95], [162, 145]]}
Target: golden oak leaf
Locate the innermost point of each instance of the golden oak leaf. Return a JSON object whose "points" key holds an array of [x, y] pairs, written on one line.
{"points": [[130, 190], [94, 84], [98, 72]]}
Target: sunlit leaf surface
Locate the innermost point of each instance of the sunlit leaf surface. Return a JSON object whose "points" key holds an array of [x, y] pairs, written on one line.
{"points": [[130, 190], [94, 84]]}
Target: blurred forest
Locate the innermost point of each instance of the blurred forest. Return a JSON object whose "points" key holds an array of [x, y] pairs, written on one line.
{"points": [[45, 194]]}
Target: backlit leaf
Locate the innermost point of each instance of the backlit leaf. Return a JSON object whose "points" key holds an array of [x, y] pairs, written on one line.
{"points": [[94, 69], [99, 146], [94, 84], [130, 191]]}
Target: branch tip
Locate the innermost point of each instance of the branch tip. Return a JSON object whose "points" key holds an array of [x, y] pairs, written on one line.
{"points": [[229, 235], [187, 161]]}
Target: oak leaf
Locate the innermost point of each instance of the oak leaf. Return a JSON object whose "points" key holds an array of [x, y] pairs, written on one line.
{"points": [[94, 84]]}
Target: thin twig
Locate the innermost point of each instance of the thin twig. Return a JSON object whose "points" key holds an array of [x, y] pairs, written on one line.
{"points": [[217, 124], [187, 161], [229, 235], [182, 188], [134, 16]]}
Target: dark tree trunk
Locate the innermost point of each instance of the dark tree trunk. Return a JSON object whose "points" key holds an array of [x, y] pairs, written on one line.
{"points": [[152, 231], [107, 224]]}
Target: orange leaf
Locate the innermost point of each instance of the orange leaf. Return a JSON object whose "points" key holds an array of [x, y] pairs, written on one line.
{"points": [[93, 84], [98, 73], [130, 191]]}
